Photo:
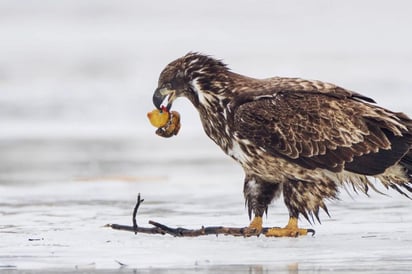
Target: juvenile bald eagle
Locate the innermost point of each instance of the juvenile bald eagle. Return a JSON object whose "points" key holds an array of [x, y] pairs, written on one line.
{"points": [[303, 139]]}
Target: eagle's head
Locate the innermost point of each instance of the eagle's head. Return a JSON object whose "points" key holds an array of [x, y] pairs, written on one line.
{"points": [[187, 77]]}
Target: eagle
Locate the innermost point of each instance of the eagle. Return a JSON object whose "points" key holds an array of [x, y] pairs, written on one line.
{"points": [[298, 138]]}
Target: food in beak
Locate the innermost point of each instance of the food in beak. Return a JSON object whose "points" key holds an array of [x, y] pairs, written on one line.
{"points": [[159, 117], [167, 123]]}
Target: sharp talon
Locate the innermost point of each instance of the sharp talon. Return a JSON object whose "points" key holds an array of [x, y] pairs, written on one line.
{"points": [[254, 228], [290, 230]]}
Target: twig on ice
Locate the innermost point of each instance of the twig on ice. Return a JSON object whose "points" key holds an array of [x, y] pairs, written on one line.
{"points": [[135, 228], [139, 229], [209, 230], [159, 228]]}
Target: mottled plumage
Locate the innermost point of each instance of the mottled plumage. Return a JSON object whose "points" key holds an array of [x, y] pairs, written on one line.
{"points": [[303, 139]]}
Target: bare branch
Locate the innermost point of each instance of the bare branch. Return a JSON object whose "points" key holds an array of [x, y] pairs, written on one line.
{"points": [[162, 229], [136, 207]]}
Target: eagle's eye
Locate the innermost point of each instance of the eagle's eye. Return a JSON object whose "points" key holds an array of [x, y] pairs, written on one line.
{"points": [[177, 82], [167, 86]]}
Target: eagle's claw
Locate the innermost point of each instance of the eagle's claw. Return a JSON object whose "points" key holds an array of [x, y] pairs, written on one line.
{"points": [[288, 232], [254, 228]]}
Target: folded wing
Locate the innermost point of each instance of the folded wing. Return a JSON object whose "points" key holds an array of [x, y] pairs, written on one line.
{"points": [[316, 130]]}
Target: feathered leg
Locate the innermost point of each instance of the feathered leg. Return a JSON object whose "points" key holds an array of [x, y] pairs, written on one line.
{"points": [[258, 195], [304, 198]]}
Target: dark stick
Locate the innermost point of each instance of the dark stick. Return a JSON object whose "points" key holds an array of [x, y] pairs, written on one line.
{"points": [[184, 232], [179, 231], [136, 207], [146, 230], [210, 230]]}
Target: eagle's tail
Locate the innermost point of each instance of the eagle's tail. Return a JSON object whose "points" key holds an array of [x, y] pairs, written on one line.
{"points": [[406, 162], [404, 188]]}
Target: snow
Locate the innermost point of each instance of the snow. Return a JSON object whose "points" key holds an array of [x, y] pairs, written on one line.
{"points": [[76, 81]]}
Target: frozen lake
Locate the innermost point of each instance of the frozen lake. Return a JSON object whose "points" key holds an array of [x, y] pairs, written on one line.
{"points": [[60, 225], [76, 81]]}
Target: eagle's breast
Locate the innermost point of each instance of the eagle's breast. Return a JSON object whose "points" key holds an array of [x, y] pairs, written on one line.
{"points": [[237, 152]]}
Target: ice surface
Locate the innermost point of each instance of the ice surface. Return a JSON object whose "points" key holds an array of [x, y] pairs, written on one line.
{"points": [[60, 225], [76, 80]]}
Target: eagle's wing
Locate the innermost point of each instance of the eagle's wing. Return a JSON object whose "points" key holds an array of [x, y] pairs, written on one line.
{"points": [[316, 130]]}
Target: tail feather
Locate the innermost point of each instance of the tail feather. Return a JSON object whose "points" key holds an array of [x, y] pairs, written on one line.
{"points": [[397, 177], [406, 162], [401, 191]]}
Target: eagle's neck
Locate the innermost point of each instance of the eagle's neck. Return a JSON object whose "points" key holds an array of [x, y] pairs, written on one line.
{"points": [[212, 102], [214, 88]]}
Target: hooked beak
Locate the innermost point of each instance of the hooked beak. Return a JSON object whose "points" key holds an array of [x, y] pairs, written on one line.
{"points": [[161, 94]]}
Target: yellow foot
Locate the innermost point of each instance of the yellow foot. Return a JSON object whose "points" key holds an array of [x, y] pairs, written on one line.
{"points": [[290, 230], [254, 228]]}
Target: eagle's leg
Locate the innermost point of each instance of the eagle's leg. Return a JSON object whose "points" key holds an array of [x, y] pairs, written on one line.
{"points": [[258, 195], [306, 199]]}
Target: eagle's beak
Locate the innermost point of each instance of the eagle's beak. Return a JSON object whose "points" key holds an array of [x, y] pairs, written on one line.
{"points": [[161, 94]]}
